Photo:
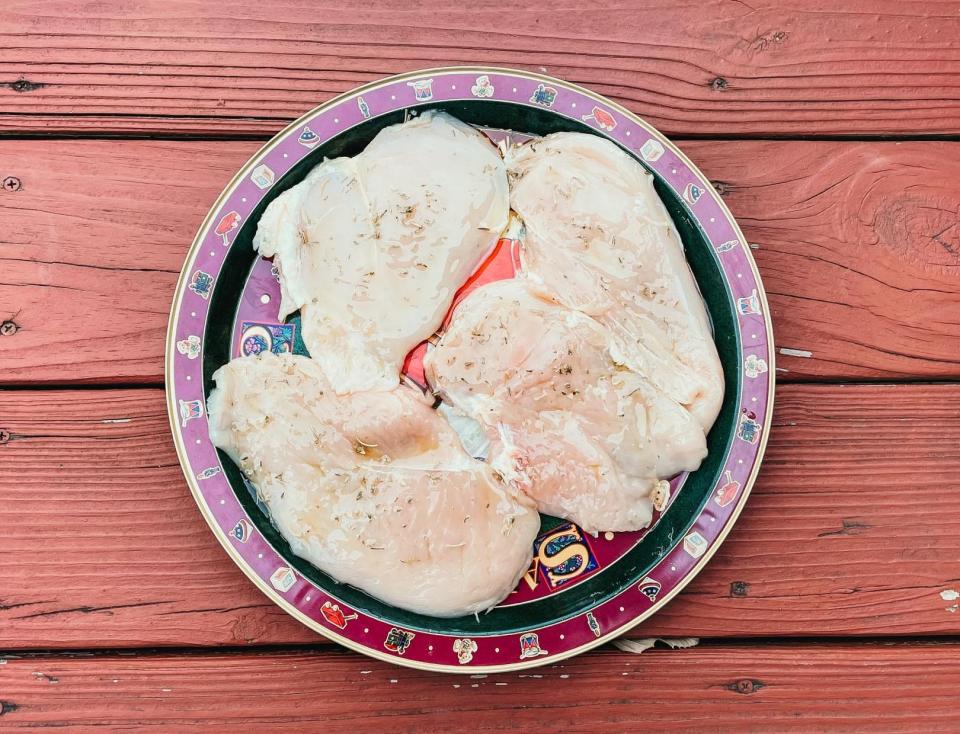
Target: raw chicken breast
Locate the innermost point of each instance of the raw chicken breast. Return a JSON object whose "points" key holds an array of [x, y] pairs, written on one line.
{"points": [[585, 437], [598, 239], [371, 249], [373, 488]]}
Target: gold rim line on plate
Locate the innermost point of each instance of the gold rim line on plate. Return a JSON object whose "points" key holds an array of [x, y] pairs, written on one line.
{"points": [[289, 607]]}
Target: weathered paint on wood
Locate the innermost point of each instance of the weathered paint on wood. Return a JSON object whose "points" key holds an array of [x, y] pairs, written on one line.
{"points": [[853, 528], [701, 68], [857, 244], [739, 688]]}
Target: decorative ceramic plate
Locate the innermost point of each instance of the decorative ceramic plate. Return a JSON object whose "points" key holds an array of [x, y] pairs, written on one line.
{"points": [[581, 590]]}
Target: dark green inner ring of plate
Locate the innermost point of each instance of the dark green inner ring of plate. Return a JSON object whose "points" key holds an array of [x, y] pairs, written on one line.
{"points": [[605, 583]]}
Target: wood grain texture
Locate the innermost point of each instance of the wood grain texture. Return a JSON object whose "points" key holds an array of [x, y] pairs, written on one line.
{"points": [[853, 528], [857, 244], [705, 68], [788, 688]]}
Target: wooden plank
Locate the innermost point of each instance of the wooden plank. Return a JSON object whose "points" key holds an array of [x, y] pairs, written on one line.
{"points": [[91, 246], [782, 688], [859, 250], [853, 528], [857, 244], [181, 66]]}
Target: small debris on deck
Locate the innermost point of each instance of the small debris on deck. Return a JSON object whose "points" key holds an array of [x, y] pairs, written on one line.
{"points": [[795, 352], [639, 646]]}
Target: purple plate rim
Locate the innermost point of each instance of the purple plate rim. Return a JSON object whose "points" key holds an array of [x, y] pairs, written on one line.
{"points": [[269, 571]]}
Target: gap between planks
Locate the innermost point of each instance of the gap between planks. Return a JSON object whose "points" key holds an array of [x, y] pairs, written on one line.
{"points": [[324, 646]]}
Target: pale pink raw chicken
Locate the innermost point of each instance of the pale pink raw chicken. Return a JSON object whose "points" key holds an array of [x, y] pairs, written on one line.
{"points": [[373, 488], [587, 438], [371, 249], [599, 240]]}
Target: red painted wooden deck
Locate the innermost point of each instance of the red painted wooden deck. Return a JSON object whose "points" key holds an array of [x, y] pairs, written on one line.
{"points": [[832, 131]]}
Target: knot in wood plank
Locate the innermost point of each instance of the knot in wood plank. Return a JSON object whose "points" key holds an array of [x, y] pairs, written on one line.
{"points": [[7, 707], [22, 85], [920, 226]]}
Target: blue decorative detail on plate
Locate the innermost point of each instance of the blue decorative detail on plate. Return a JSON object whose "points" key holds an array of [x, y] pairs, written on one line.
{"points": [[263, 176], [257, 338], [308, 138], [593, 624], [241, 531], [398, 640], [201, 283], [750, 305], [650, 587], [544, 96], [530, 646], [692, 193], [695, 544], [651, 151], [563, 554], [749, 429], [189, 410]]}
